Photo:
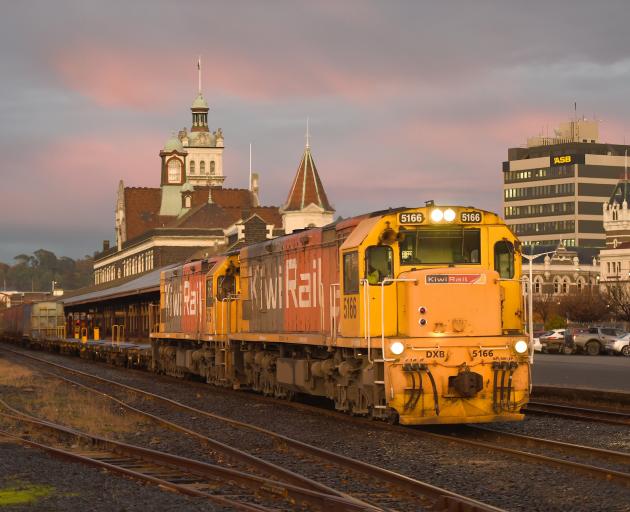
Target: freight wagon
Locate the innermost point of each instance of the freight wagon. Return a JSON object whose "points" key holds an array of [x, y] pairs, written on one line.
{"points": [[36, 321]]}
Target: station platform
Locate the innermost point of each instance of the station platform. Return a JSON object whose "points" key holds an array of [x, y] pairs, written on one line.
{"points": [[604, 373]]}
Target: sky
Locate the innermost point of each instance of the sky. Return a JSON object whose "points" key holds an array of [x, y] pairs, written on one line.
{"points": [[407, 100]]}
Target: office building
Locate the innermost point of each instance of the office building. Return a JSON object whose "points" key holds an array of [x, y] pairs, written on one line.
{"points": [[554, 189]]}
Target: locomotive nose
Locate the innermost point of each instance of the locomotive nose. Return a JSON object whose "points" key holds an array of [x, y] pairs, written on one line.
{"points": [[453, 302]]}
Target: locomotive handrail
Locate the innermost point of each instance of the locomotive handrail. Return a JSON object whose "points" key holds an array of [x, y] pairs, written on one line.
{"points": [[383, 283], [333, 317], [366, 321]]}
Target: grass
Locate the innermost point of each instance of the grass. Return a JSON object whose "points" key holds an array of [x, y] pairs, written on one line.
{"points": [[58, 401], [24, 494]]}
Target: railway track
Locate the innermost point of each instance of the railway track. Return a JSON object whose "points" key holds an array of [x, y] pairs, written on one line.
{"points": [[578, 413], [224, 486], [385, 489]]}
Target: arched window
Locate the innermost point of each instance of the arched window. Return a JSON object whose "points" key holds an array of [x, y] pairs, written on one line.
{"points": [[212, 167], [187, 202], [557, 285], [580, 283], [538, 284], [202, 167], [174, 170], [566, 283], [192, 167]]}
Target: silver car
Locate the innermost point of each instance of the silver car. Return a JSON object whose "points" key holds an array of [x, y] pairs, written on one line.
{"points": [[621, 346]]}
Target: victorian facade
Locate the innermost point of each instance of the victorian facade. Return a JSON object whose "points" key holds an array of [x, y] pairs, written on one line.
{"points": [[615, 258], [191, 214]]}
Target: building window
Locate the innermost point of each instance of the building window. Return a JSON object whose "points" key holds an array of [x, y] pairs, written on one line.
{"points": [[187, 202], [557, 286], [202, 167], [565, 285], [192, 167], [537, 284], [174, 171], [212, 168]]}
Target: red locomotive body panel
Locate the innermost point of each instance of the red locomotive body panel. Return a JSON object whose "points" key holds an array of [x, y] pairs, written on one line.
{"points": [[172, 299], [289, 281], [193, 298]]}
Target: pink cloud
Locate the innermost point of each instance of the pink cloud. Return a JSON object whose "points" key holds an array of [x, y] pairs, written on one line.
{"points": [[117, 78], [146, 80], [73, 180]]}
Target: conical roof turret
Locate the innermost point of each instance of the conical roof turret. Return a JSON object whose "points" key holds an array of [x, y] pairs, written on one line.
{"points": [[307, 187]]}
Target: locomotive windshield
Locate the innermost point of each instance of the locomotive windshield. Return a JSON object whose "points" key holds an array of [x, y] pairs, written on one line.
{"points": [[439, 245]]}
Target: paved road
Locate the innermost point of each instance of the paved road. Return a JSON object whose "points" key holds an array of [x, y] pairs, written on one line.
{"points": [[580, 371]]}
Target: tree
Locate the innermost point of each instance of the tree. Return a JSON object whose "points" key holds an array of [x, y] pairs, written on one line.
{"points": [[37, 272], [617, 295], [544, 305], [585, 306]]}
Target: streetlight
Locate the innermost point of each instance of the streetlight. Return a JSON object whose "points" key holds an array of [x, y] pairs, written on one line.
{"points": [[530, 308]]}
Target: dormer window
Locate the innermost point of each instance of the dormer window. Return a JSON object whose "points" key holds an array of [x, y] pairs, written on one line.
{"points": [[174, 171]]}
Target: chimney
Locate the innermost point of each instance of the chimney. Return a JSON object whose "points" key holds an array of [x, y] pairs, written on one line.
{"points": [[105, 245]]}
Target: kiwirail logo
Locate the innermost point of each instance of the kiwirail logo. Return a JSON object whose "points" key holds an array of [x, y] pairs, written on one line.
{"points": [[455, 279]]}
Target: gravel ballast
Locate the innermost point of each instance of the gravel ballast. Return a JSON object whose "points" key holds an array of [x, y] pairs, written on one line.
{"points": [[481, 474], [74, 487]]}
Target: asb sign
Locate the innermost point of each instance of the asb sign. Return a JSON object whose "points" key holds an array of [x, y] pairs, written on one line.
{"points": [[559, 160], [566, 159]]}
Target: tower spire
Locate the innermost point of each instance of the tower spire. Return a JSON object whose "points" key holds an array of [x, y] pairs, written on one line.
{"points": [[308, 142], [199, 72]]}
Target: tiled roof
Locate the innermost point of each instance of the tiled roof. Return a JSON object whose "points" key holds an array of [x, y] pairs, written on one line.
{"points": [[621, 193], [142, 207], [307, 187]]}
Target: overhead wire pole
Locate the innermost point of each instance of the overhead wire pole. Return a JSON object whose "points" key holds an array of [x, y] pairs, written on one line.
{"points": [[530, 302]]}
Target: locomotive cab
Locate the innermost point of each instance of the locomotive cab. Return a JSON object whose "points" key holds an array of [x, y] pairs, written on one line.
{"points": [[439, 306]]}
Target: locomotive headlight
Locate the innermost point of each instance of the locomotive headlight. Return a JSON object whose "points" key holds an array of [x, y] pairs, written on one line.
{"points": [[437, 215], [397, 348], [520, 346], [449, 215]]}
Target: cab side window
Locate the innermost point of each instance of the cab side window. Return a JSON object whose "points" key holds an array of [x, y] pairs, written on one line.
{"points": [[226, 286], [504, 259], [379, 263], [209, 291], [351, 273]]}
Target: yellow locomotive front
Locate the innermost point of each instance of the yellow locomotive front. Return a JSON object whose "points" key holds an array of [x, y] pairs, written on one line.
{"points": [[435, 294]]}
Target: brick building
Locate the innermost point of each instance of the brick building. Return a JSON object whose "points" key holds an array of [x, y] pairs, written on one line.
{"points": [[191, 213]]}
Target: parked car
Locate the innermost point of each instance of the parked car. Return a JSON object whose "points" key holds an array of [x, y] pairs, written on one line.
{"points": [[552, 341], [596, 339], [537, 345], [569, 338], [621, 346]]}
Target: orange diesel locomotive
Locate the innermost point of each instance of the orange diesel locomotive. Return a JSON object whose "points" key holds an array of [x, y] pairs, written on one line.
{"points": [[411, 315]]}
